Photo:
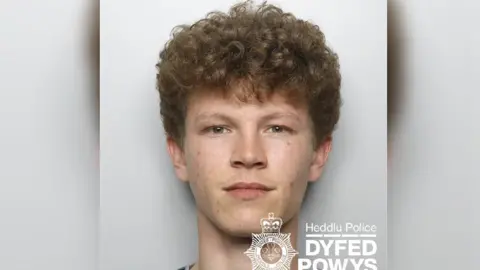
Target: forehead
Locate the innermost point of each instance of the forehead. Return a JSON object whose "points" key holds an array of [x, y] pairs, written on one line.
{"points": [[240, 100]]}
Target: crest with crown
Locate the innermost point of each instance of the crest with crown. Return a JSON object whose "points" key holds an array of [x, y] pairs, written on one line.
{"points": [[271, 224]]}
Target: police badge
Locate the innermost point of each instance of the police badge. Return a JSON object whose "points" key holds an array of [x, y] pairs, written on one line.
{"points": [[271, 250]]}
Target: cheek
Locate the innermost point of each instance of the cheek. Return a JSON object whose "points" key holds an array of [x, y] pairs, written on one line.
{"points": [[291, 161], [205, 160], [205, 166]]}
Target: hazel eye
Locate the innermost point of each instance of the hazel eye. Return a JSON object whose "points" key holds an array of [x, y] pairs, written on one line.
{"points": [[277, 129], [217, 130]]}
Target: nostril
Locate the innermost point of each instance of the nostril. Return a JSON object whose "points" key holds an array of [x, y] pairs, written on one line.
{"points": [[237, 163], [254, 164]]}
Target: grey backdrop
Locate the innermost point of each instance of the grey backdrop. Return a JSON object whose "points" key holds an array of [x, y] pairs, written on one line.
{"points": [[434, 135], [147, 216], [49, 173]]}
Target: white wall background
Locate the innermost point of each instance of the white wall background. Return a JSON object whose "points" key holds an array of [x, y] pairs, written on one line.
{"points": [[48, 135], [147, 217], [434, 177]]}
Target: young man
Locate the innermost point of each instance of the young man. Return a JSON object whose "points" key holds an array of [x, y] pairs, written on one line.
{"points": [[249, 101]]}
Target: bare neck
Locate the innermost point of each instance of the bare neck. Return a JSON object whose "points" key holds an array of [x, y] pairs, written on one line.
{"points": [[219, 251]]}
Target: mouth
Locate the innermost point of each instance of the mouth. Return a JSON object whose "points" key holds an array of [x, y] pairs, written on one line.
{"points": [[247, 191]]}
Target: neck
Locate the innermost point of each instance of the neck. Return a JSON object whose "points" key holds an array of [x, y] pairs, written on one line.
{"points": [[219, 251]]}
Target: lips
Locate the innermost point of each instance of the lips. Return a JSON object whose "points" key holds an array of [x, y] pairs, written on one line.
{"points": [[247, 191], [252, 186]]}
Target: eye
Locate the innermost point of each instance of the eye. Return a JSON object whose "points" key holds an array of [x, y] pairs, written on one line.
{"points": [[278, 129], [217, 130]]}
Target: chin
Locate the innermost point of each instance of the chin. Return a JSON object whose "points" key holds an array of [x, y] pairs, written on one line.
{"points": [[242, 222], [244, 231]]}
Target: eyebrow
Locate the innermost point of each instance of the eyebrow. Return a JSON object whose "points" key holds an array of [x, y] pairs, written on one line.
{"points": [[206, 116], [226, 118], [277, 115]]}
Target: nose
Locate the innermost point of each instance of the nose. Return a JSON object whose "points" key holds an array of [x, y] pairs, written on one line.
{"points": [[249, 153]]}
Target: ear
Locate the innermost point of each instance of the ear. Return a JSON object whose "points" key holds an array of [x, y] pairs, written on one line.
{"points": [[178, 159], [320, 156]]}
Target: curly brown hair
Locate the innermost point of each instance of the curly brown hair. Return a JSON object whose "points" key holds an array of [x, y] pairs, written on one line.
{"points": [[263, 49]]}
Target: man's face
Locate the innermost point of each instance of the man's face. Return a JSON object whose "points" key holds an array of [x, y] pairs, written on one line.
{"points": [[244, 160]]}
